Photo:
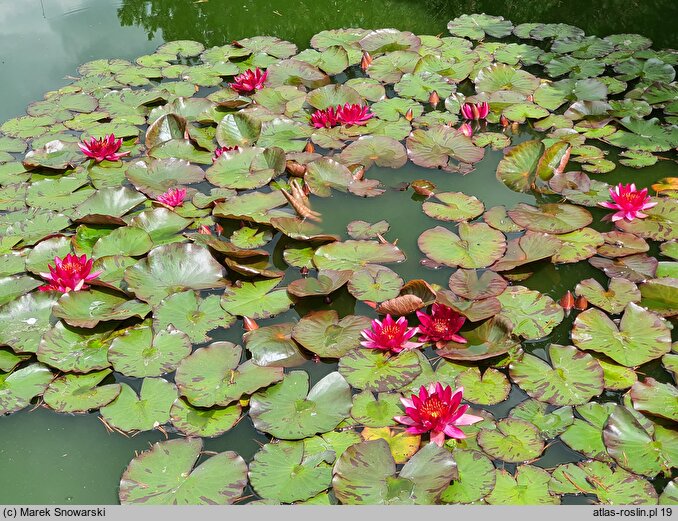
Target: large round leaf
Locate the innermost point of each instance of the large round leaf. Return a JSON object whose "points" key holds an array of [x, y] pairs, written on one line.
{"points": [[77, 350], [155, 176], [80, 393], [640, 337], [573, 377], [476, 246], [435, 147], [322, 333], [529, 486], [456, 206], [376, 283], [653, 397], [23, 321], [256, 299], [273, 346], [512, 440], [550, 218], [373, 370], [354, 255], [327, 282], [164, 475], [531, 314], [287, 412], [477, 26], [202, 422], [88, 308], [619, 293], [489, 339], [490, 388], [376, 411], [172, 268], [19, 387], [476, 477], [517, 169], [151, 409], [380, 150], [246, 168], [549, 424], [586, 435]]}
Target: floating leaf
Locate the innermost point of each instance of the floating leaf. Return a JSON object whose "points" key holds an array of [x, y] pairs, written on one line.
{"points": [[246, 168], [585, 435], [88, 308], [151, 409], [531, 314], [322, 332], [78, 350], [619, 293], [456, 206], [155, 176], [403, 445], [273, 346], [206, 423], [550, 218], [380, 150], [549, 424], [256, 299], [354, 255], [490, 388], [435, 147], [374, 371], [476, 478], [24, 320], [635, 268], [376, 411], [80, 393], [512, 441], [517, 169], [18, 388], [476, 246], [327, 282], [488, 340], [660, 295], [467, 284], [477, 26], [653, 397], [362, 230]]}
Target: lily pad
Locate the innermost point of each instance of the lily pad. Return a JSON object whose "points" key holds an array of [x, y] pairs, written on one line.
{"points": [[80, 393], [661, 223], [635, 268], [512, 440], [155, 176], [585, 435], [18, 388], [490, 339], [653, 397], [477, 26], [476, 478], [550, 218], [205, 423], [380, 150], [322, 333], [435, 147], [246, 168], [362, 230], [165, 475], [476, 246], [517, 169], [456, 206], [375, 371], [376, 411], [24, 320], [619, 293], [467, 284], [273, 346], [549, 424], [77, 350], [354, 255], [151, 409], [256, 299], [88, 308], [660, 295], [490, 388], [327, 282], [531, 314]]}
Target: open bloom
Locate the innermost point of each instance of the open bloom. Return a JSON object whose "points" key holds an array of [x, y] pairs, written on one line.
{"points": [[353, 114], [436, 410], [390, 335], [441, 325], [629, 201], [173, 197], [475, 110], [326, 118], [69, 274], [466, 129], [249, 81], [104, 148], [220, 150]]}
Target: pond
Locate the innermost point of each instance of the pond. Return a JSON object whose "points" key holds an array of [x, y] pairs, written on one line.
{"points": [[194, 270]]}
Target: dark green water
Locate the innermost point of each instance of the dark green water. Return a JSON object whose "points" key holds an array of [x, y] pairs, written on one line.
{"points": [[54, 458]]}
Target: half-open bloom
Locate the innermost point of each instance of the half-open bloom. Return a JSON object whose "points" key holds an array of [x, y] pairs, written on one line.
{"points": [[629, 201], [353, 114], [475, 111], [249, 81], [220, 150], [390, 335], [69, 274], [173, 197], [326, 118], [436, 410], [441, 325], [104, 148], [466, 129]]}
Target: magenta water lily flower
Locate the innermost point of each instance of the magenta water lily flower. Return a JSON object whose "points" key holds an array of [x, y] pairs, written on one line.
{"points": [[629, 201], [104, 148], [69, 274], [441, 325], [220, 150], [249, 81], [466, 129], [475, 111], [173, 197], [436, 410], [353, 114], [326, 118], [390, 335]]}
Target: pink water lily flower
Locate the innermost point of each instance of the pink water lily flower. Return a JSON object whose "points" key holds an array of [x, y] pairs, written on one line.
{"points": [[353, 114], [629, 201], [326, 118], [173, 197], [104, 148], [220, 150], [390, 335], [69, 274], [441, 325], [475, 111], [466, 129], [436, 410], [249, 81]]}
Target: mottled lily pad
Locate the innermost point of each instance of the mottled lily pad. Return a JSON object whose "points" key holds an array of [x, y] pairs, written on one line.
{"points": [[512, 441], [531, 314], [88, 308], [322, 333], [374, 371], [18, 388], [476, 246], [256, 299], [456, 206], [656, 398], [151, 409], [80, 393], [619, 293]]}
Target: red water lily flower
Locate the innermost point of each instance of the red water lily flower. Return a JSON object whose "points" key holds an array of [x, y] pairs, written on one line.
{"points": [[353, 114], [220, 150], [69, 274], [466, 129], [104, 148], [441, 325], [436, 410], [390, 335], [629, 201], [249, 81], [326, 118], [475, 111], [173, 197]]}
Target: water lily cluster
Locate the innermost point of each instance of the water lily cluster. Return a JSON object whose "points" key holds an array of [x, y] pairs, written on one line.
{"points": [[196, 228]]}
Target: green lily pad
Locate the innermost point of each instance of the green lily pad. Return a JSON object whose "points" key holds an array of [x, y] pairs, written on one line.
{"points": [[660, 295], [476, 478], [24, 320], [164, 475], [433, 148], [640, 337], [256, 299], [500, 77], [573, 377], [88, 308], [107, 205], [326, 174], [467, 284], [372, 370], [513, 441], [670, 494], [205, 423], [246, 168], [180, 149], [287, 412], [239, 129], [354, 255], [644, 134], [499, 220], [585, 435], [151, 409], [59, 193], [635, 268], [456, 206], [155, 176], [376, 411], [18, 388], [362, 230], [421, 85], [490, 388], [616, 377], [477, 26], [578, 245], [620, 292], [529, 486], [653, 397], [531, 314], [322, 332], [273, 346], [620, 244], [476, 246], [33, 225], [613, 487], [288, 471], [256, 206], [365, 474], [140, 352], [327, 282], [549, 424], [15, 286], [389, 40], [517, 169], [661, 223], [635, 448], [126, 240], [162, 225], [77, 350], [550, 218], [491, 338], [191, 315], [80, 393], [375, 283], [8, 360], [333, 95], [383, 151]]}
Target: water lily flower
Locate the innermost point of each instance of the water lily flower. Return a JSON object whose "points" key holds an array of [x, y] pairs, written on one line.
{"points": [[104, 148], [475, 111], [249, 81], [390, 335], [69, 274], [326, 118], [434, 99], [436, 410], [172, 197], [353, 114], [220, 150], [441, 325], [466, 129], [629, 201]]}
